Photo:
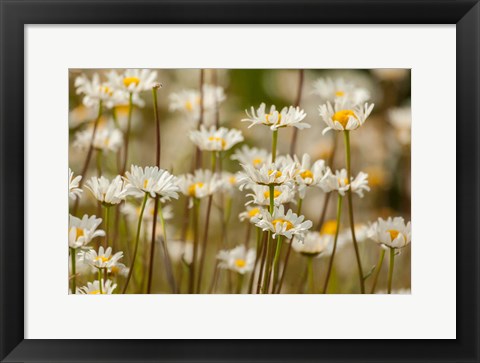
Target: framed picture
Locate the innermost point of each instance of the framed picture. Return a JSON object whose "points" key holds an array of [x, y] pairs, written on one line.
{"points": [[241, 187]]}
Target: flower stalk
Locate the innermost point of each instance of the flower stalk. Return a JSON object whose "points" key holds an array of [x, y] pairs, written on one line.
{"points": [[330, 263]]}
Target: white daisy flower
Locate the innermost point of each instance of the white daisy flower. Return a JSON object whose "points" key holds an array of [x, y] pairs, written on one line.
{"points": [[180, 251], [151, 180], [313, 244], [361, 233], [308, 174], [288, 116], [268, 174], [94, 91], [188, 101], [80, 115], [132, 211], [228, 182], [133, 80], [285, 224], [339, 182], [106, 139], [102, 259], [401, 119], [237, 259], [119, 269], [214, 139], [82, 231], [74, 191], [330, 90], [106, 192], [200, 184], [251, 156], [344, 115], [94, 288], [261, 195], [250, 213], [393, 233]]}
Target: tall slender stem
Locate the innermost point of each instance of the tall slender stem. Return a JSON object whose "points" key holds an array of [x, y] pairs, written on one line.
{"points": [[168, 262], [191, 283], [107, 225], [152, 246], [293, 144], [377, 271], [127, 133], [239, 283], [263, 261], [311, 287], [137, 239], [100, 280], [257, 257], [276, 260], [99, 162], [198, 152], [350, 211], [268, 262], [274, 145], [330, 264], [390, 269], [74, 269]]}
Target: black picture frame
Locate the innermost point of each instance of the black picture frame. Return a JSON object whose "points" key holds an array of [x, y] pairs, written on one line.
{"points": [[16, 14]]}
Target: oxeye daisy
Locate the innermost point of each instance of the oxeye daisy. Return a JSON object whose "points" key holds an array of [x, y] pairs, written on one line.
{"points": [[94, 91], [331, 90], [308, 174], [250, 213], [344, 115], [188, 101], [238, 259], [339, 182], [261, 195], [132, 211], [97, 288], [213, 139], [107, 192], [200, 184], [152, 180], [132, 80], [102, 259], [82, 231], [268, 174], [228, 182], [313, 244], [288, 116], [106, 139], [284, 224], [401, 119], [74, 191], [251, 156], [392, 233]]}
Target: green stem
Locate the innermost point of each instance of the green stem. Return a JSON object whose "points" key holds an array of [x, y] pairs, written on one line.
{"points": [[346, 133], [310, 274], [100, 280], [239, 283], [107, 224], [191, 283], [276, 261], [330, 264], [390, 269], [137, 239], [74, 270], [99, 162], [127, 132], [168, 263], [274, 145], [377, 271]]}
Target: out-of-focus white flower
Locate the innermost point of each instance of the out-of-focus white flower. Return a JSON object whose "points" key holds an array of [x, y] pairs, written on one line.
{"points": [[94, 288], [313, 244], [252, 156], [228, 182], [285, 224], [261, 195], [344, 115], [395, 292], [250, 213], [106, 192], [132, 211], [132, 80], [401, 119], [267, 174], [237, 259], [339, 182], [106, 139], [361, 233], [82, 231], [152, 180], [393, 233], [308, 174], [331, 90], [200, 184], [102, 259], [188, 101], [181, 251], [80, 115], [74, 191], [213, 139], [94, 91], [288, 116]]}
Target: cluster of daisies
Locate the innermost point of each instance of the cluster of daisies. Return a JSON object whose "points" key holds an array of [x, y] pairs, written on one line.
{"points": [[275, 187]]}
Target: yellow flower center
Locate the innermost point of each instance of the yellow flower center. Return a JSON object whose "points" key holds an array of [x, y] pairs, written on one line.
{"points": [[257, 161], [122, 109], [239, 262], [127, 81], [232, 180], [344, 181], [145, 184], [282, 221], [102, 258], [192, 189], [329, 227], [189, 104], [339, 93], [253, 212], [107, 90], [306, 174], [218, 139], [267, 118], [95, 292], [276, 193], [278, 174], [343, 116], [393, 233], [79, 232], [114, 270]]}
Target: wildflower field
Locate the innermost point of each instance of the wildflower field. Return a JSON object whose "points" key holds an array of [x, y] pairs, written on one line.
{"points": [[239, 181]]}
